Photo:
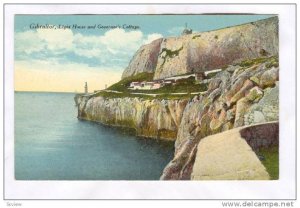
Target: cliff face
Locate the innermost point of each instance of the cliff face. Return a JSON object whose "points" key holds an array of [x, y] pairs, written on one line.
{"points": [[207, 50], [150, 118], [241, 94], [237, 96], [144, 60]]}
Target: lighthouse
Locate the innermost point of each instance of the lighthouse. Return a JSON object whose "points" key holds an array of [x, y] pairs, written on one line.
{"points": [[85, 88]]}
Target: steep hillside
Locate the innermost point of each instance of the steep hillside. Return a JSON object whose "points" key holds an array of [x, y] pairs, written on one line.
{"points": [[144, 60], [242, 94], [207, 50]]}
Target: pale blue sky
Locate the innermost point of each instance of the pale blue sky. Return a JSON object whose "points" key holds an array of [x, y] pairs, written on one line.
{"points": [[100, 50], [166, 25]]}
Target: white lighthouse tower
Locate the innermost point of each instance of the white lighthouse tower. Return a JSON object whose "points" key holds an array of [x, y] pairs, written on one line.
{"points": [[86, 88]]}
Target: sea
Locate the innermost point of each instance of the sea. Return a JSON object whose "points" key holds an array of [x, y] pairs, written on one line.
{"points": [[52, 144]]}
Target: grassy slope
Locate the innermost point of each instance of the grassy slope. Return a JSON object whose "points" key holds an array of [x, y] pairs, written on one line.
{"points": [[270, 161], [187, 85], [182, 86], [124, 83], [272, 61]]}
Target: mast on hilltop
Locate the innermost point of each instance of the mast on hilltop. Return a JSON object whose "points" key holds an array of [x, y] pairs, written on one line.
{"points": [[186, 30]]}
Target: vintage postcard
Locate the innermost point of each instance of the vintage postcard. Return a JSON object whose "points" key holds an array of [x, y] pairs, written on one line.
{"points": [[179, 85], [139, 97]]}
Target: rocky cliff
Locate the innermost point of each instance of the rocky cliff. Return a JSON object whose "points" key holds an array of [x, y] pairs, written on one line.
{"points": [[144, 60], [243, 94], [206, 50], [236, 97], [150, 118]]}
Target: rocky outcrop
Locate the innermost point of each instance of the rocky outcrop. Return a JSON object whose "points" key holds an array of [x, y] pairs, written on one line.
{"points": [[264, 135], [236, 96], [266, 109], [233, 96], [207, 50], [150, 118], [144, 60], [230, 155], [245, 92]]}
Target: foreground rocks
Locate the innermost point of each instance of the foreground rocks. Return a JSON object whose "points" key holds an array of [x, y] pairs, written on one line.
{"points": [[230, 155], [232, 100]]}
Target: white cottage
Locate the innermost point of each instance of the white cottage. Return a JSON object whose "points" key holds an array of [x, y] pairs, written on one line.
{"points": [[145, 85]]}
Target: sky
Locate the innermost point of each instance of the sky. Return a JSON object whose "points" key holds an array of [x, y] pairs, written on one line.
{"points": [[59, 53]]}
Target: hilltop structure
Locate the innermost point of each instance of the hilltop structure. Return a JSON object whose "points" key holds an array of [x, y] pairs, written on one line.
{"points": [[205, 51], [186, 30]]}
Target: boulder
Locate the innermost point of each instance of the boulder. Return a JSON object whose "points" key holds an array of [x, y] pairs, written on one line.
{"points": [[269, 77], [228, 156]]}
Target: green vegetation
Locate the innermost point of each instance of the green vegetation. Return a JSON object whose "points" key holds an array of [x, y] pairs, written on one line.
{"points": [[184, 85], [254, 96], [187, 86], [211, 75], [125, 83], [170, 53], [196, 36], [270, 160], [167, 134], [216, 37], [255, 80], [271, 61]]}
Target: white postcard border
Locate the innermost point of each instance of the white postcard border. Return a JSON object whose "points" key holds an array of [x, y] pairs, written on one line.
{"points": [[284, 188]]}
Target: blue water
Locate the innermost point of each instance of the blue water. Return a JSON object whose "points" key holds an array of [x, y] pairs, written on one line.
{"points": [[52, 144]]}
